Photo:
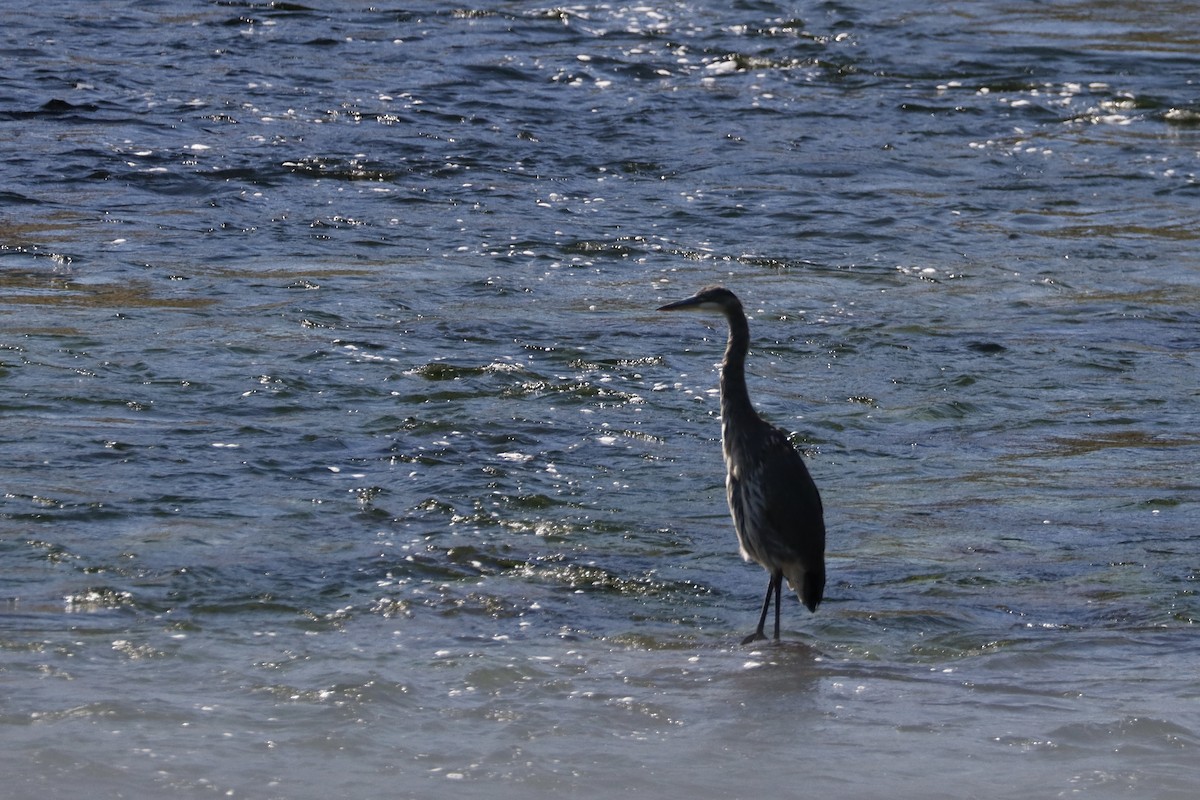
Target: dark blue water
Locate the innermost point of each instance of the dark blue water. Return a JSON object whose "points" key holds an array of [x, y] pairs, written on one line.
{"points": [[342, 452]]}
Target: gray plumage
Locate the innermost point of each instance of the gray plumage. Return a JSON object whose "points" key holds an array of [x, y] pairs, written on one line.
{"points": [[775, 505]]}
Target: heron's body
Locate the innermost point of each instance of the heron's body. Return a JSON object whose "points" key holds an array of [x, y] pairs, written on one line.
{"points": [[775, 505]]}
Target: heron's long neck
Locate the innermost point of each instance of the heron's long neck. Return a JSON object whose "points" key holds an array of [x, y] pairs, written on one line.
{"points": [[735, 400]]}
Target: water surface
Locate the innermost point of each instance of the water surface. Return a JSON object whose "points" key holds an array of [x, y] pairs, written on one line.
{"points": [[341, 450]]}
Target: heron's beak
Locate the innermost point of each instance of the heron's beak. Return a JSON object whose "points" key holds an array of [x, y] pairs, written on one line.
{"points": [[678, 305]]}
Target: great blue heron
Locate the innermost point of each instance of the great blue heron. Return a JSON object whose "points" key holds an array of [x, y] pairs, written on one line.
{"points": [[775, 504]]}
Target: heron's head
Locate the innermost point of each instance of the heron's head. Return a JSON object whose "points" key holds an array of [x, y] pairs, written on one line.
{"points": [[710, 298]]}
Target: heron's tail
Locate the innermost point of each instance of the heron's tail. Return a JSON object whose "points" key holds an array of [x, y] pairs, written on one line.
{"points": [[807, 583]]}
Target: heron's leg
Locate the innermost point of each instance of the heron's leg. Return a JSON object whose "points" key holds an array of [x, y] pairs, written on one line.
{"points": [[762, 618], [777, 584], [773, 590]]}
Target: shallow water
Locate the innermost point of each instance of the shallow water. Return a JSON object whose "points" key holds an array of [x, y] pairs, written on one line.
{"points": [[341, 450]]}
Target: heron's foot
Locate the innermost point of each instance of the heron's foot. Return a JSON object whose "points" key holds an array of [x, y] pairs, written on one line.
{"points": [[757, 636]]}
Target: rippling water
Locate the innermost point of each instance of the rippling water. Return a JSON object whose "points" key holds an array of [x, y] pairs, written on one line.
{"points": [[342, 452]]}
